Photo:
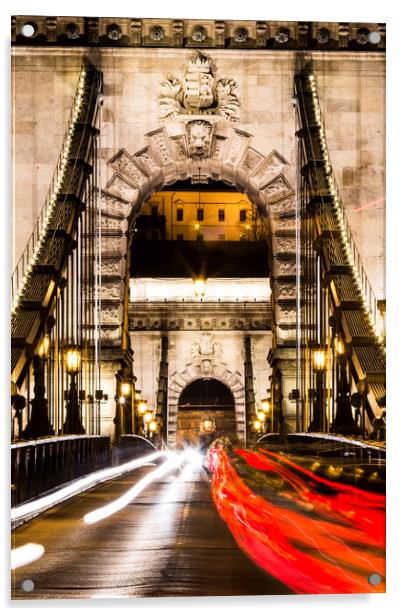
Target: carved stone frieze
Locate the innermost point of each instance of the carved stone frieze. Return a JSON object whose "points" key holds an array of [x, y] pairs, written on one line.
{"points": [[135, 32], [179, 146], [125, 164], [249, 162], [282, 206], [285, 224], [110, 316], [110, 204], [276, 188], [147, 161], [236, 147], [120, 187], [285, 291], [283, 268], [109, 223], [113, 245], [160, 145], [110, 291], [220, 33], [217, 147], [112, 267], [272, 166], [110, 335], [284, 315], [283, 245]]}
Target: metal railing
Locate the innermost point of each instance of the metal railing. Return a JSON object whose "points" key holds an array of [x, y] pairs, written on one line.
{"points": [[41, 465], [26, 261], [312, 101]]}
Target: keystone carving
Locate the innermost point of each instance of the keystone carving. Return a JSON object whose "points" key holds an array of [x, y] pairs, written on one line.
{"points": [[199, 138]]}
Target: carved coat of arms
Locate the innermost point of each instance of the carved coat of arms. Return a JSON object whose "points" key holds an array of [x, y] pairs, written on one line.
{"points": [[198, 92]]}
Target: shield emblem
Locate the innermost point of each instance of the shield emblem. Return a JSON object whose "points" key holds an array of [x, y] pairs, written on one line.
{"points": [[198, 92]]}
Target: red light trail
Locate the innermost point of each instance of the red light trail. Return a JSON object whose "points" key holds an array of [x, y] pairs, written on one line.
{"points": [[317, 536]]}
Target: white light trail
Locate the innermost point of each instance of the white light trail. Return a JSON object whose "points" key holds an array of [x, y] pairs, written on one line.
{"points": [[173, 462], [26, 554], [40, 504]]}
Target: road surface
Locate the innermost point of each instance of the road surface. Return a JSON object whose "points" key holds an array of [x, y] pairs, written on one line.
{"points": [[169, 541]]}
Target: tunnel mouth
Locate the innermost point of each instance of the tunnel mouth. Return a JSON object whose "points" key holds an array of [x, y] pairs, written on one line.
{"points": [[206, 411]]}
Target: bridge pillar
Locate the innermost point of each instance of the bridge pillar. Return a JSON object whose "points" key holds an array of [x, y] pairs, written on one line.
{"points": [[283, 381]]}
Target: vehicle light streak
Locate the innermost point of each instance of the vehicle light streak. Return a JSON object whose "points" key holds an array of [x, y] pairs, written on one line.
{"points": [[26, 554], [316, 535], [40, 504], [172, 463]]}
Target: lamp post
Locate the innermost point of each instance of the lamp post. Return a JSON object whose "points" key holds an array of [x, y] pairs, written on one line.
{"points": [[73, 423], [344, 422], [126, 407], [319, 364], [39, 424]]}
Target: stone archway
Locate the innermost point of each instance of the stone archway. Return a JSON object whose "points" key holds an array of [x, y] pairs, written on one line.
{"points": [[206, 409], [212, 367], [225, 153]]}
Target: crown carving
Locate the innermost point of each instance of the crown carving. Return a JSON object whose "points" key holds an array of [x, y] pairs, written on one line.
{"points": [[198, 63]]}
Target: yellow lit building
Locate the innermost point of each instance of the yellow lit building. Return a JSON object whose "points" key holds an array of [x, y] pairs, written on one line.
{"points": [[208, 215]]}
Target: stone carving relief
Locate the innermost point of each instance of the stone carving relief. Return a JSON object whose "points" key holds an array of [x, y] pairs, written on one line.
{"points": [[110, 291], [110, 335], [114, 205], [199, 138], [179, 147], [125, 164], [284, 268], [198, 91], [110, 224], [120, 187], [205, 347], [285, 291], [272, 166], [237, 144], [276, 188], [111, 244], [160, 145], [110, 316], [285, 315], [249, 162], [147, 161], [111, 267], [218, 143], [282, 206], [283, 245]]}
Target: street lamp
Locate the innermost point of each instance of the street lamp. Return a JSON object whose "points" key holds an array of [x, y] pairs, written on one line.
{"points": [[73, 423], [39, 424], [319, 366]]}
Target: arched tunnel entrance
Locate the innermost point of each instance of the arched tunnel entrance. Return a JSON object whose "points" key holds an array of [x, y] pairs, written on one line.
{"points": [[206, 410]]}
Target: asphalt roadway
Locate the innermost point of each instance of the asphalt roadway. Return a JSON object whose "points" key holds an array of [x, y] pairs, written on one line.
{"points": [[169, 541]]}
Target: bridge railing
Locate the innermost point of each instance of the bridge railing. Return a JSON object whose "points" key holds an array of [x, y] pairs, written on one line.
{"points": [[312, 116], [40, 465], [57, 184]]}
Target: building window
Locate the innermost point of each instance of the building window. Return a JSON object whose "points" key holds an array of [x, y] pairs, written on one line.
{"points": [[154, 210], [179, 237], [179, 214], [243, 215], [200, 214], [221, 215], [221, 237]]}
